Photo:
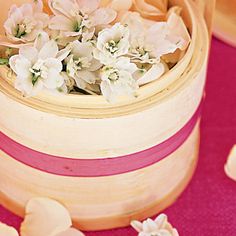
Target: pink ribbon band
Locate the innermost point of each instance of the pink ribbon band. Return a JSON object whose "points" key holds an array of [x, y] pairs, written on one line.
{"points": [[97, 167]]}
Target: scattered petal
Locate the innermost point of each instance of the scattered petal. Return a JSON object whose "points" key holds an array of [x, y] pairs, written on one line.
{"points": [[6, 230], [230, 167], [45, 217]]}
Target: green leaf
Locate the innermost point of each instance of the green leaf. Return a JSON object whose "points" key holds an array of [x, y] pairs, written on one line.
{"points": [[4, 61]]}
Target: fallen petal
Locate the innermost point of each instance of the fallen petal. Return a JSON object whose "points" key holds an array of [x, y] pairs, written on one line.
{"points": [[230, 167], [45, 217], [138, 226], [6, 230]]}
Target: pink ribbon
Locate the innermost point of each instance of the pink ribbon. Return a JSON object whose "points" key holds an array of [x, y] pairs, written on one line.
{"points": [[97, 167]]}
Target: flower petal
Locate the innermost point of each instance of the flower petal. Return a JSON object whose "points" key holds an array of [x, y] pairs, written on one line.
{"points": [[61, 23], [45, 217], [148, 10], [123, 63], [87, 76], [4, 41], [159, 4], [103, 16], [179, 34], [82, 49], [49, 50], [138, 226], [62, 54], [107, 91], [71, 232], [230, 167], [20, 65], [121, 5], [88, 6], [161, 220], [41, 40], [54, 80], [29, 52], [152, 74], [62, 7], [6, 230]]}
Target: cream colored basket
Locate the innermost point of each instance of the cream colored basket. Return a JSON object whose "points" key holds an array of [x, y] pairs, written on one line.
{"points": [[79, 127]]}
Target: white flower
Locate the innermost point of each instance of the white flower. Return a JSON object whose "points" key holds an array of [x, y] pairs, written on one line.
{"points": [[157, 39], [79, 17], [80, 64], [117, 79], [24, 23], [150, 41], [38, 66], [112, 43], [158, 227]]}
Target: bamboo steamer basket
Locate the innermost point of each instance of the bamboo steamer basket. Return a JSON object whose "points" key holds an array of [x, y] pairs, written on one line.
{"points": [[225, 21], [88, 128]]}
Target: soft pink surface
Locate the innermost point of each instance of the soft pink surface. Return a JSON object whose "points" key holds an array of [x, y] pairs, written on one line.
{"points": [[208, 206]]}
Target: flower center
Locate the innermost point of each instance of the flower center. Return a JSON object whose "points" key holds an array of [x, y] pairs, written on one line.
{"points": [[113, 74], [82, 62], [20, 30], [112, 46], [81, 21], [24, 28], [38, 71]]}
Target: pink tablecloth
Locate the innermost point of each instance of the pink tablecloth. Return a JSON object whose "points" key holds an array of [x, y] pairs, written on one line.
{"points": [[208, 206]]}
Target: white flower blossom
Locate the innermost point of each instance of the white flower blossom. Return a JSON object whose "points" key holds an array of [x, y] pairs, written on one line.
{"points": [[150, 41], [112, 43], [38, 66], [79, 17], [25, 22], [80, 64], [117, 79], [158, 227]]}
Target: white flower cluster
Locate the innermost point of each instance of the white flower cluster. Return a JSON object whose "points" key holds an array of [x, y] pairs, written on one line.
{"points": [[88, 47]]}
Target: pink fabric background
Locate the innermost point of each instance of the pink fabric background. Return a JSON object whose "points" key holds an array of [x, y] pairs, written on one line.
{"points": [[208, 206]]}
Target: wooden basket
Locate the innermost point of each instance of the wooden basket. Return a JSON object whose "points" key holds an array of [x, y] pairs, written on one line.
{"points": [[135, 157], [225, 21]]}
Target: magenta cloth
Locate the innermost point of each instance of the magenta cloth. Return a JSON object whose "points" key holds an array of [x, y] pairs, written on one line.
{"points": [[208, 206], [107, 166]]}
